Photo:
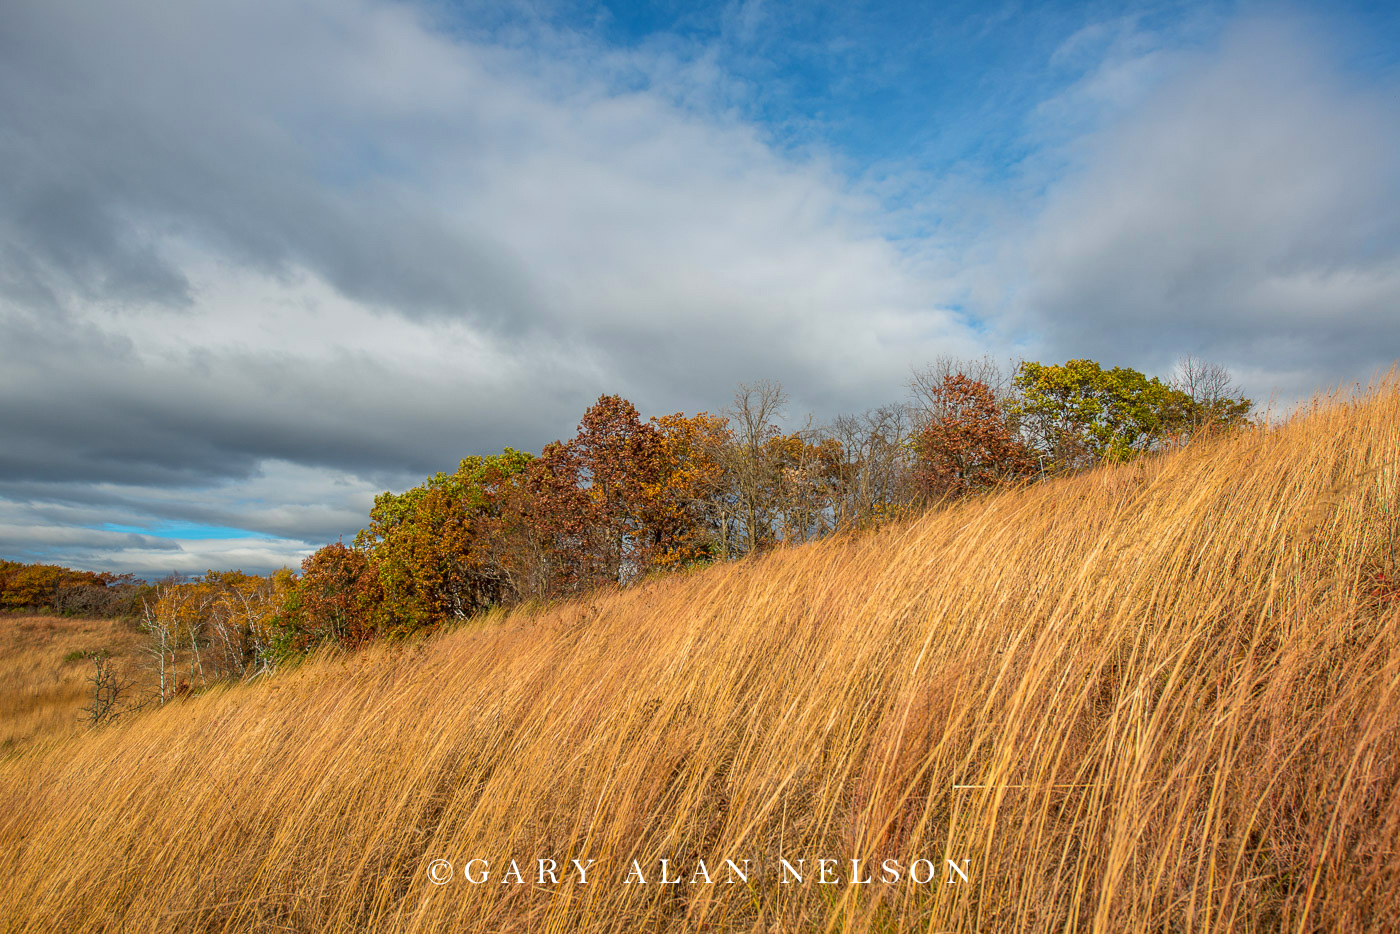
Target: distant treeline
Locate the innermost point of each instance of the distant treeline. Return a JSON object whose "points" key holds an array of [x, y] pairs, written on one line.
{"points": [[629, 497], [53, 589]]}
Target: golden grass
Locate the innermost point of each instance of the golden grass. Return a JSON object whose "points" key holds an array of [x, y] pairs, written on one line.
{"points": [[41, 691], [1178, 702]]}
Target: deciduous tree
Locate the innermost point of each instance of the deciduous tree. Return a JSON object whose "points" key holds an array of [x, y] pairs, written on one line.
{"points": [[1216, 402], [1078, 413], [431, 545], [966, 445]]}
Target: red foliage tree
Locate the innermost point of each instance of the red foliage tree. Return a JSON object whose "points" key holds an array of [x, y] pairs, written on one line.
{"points": [[969, 446], [337, 598], [544, 537]]}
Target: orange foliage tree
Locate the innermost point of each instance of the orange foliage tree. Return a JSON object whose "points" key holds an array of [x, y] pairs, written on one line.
{"points": [[64, 590], [431, 545], [969, 445], [338, 598], [619, 461], [688, 475]]}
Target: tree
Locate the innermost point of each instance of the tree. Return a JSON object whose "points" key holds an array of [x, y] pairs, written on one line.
{"points": [[161, 623], [875, 476], [967, 445], [431, 545], [108, 690], [1216, 401], [338, 598], [230, 623], [28, 585], [751, 463], [544, 539], [620, 460], [809, 484], [678, 512], [244, 616], [82, 593], [929, 399], [1078, 414]]}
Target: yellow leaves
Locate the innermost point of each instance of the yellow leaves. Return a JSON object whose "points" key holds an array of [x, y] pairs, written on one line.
{"points": [[247, 602]]}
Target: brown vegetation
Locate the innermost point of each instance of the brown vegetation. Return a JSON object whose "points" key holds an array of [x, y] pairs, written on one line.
{"points": [[1173, 687], [45, 666]]}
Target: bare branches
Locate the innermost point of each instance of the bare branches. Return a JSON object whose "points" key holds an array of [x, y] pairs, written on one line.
{"points": [[1216, 399], [876, 457], [928, 402], [751, 465], [217, 626], [108, 691]]}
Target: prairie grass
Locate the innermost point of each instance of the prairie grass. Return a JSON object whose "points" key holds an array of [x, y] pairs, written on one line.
{"points": [[1175, 686], [44, 666]]}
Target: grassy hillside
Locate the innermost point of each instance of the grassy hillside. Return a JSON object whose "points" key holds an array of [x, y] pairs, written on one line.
{"points": [[1174, 688], [44, 666]]}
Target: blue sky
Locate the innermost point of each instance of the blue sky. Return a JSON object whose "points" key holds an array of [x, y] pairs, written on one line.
{"points": [[260, 260], [937, 85]]}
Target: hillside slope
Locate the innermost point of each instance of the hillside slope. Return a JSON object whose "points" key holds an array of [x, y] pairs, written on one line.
{"points": [[1174, 688], [45, 667]]}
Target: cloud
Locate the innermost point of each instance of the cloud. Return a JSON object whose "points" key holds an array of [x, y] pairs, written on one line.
{"points": [[269, 520], [336, 236], [1244, 209], [261, 260]]}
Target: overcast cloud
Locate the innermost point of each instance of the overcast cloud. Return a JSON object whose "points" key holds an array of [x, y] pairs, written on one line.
{"points": [[260, 260]]}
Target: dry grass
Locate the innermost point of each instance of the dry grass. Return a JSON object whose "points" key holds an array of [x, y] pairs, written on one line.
{"points": [[1178, 700], [42, 689]]}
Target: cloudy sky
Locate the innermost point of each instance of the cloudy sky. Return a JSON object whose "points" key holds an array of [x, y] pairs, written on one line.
{"points": [[260, 259]]}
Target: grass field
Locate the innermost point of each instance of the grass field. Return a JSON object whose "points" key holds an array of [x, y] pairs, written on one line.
{"points": [[44, 666], [1173, 688]]}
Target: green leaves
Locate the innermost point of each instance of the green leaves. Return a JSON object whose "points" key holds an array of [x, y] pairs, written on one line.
{"points": [[431, 546], [626, 497], [1078, 413]]}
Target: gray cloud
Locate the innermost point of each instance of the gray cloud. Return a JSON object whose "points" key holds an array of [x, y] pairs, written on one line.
{"points": [[1245, 210], [260, 260], [278, 135]]}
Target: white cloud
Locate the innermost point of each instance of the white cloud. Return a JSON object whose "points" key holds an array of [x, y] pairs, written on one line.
{"points": [[327, 235], [1243, 209], [260, 260]]}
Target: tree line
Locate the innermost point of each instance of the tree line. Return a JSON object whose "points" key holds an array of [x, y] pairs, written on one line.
{"points": [[627, 497], [55, 589]]}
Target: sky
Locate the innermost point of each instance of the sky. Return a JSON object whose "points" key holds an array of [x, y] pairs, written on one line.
{"points": [[263, 259]]}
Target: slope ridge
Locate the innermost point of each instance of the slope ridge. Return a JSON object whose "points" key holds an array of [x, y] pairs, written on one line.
{"points": [[1169, 684]]}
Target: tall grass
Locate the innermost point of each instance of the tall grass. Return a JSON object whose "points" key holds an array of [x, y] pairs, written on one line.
{"points": [[1168, 685], [45, 666]]}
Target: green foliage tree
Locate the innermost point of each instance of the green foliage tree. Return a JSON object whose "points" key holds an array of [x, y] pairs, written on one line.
{"points": [[1078, 413], [625, 497], [431, 545]]}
